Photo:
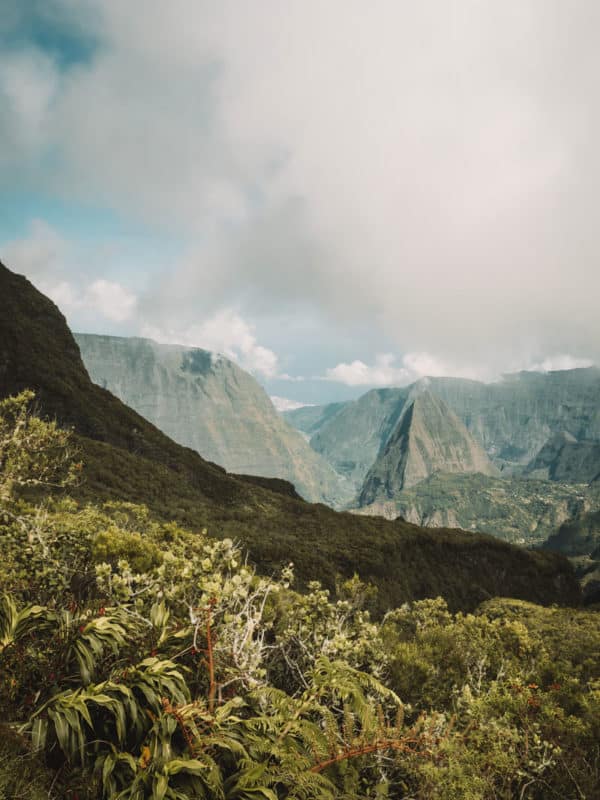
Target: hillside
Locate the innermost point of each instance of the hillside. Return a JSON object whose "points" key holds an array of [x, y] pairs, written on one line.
{"points": [[563, 458], [208, 403], [522, 511], [428, 438], [128, 458], [310, 419]]}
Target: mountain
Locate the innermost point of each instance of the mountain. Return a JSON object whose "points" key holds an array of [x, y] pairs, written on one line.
{"points": [[309, 419], [125, 457], [351, 438], [428, 438], [208, 403], [565, 459], [511, 419], [514, 417], [579, 536]]}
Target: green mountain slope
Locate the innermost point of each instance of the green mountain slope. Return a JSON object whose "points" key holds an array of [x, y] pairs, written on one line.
{"points": [[521, 511], [127, 457], [208, 403]]}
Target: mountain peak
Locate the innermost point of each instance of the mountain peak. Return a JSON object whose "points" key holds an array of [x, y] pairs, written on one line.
{"points": [[428, 438]]}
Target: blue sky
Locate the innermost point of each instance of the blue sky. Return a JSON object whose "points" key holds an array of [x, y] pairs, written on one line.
{"points": [[336, 196]]}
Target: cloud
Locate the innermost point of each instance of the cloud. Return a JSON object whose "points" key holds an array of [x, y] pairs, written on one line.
{"points": [[385, 372], [285, 404], [426, 170], [225, 333], [559, 362], [50, 261], [111, 299], [413, 366]]}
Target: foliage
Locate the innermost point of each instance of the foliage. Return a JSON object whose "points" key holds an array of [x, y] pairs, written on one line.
{"points": [[140, 660]]}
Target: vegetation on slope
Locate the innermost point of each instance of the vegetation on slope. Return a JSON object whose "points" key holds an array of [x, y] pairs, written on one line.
{"points": [[127, 458], [139, 660], [521, 511]]}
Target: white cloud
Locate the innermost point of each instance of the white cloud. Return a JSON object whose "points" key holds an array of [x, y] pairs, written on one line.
{"points": [[386, 372], [285, 404], [227, 333], [112, 300], [50, 261], [559, 362], [425, 170], [413, 366]]}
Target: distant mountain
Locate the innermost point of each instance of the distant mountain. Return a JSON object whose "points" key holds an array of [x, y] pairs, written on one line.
{"points": [[563, 458], [516, 416], [525, 512], [512, 419], [351, 438], [428, 438], [208, 403], [125, 457], [309, 419]]}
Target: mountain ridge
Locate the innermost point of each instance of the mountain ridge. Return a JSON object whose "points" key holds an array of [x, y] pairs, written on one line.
{"points": [[127, 458], [428, 438]]}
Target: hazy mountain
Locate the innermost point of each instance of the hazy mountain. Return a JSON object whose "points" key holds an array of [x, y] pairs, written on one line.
{"points": [[428, 438], [350, 439], [563, 458], [208, 403], [125, 457], [512, 419], [516, 416], [309, 419]]}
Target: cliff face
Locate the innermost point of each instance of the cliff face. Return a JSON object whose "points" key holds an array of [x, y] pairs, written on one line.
{"points": [[515, 417], [208, 403], [428, 439], [512, 419], [565, 459], [351, 439]]}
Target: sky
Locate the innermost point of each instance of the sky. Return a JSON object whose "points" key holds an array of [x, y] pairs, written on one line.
{"points": [[337, 195]]}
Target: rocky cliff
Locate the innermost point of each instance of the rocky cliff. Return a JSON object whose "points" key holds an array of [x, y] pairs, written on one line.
{"points": [[208, 403], [428, 438], [565, 459], [512, 419]]}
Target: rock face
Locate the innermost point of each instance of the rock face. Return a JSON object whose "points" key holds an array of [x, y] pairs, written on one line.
{"points": [[511, 419], [351, 439], [515, 417], [428, 438], [565, 459], [208, 403]]}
